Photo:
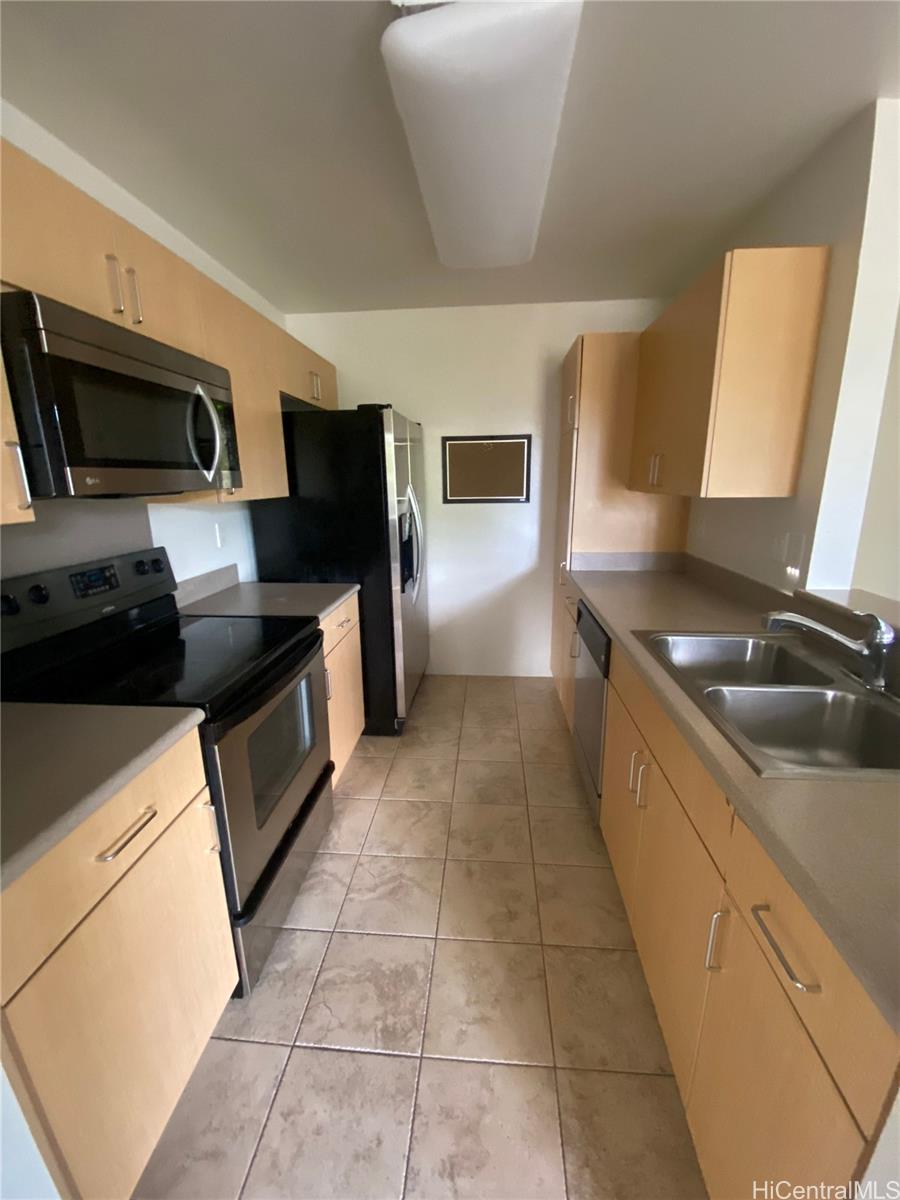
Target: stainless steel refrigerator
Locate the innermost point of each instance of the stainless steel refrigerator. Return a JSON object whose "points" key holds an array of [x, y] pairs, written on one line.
{"points": [[356, 515]]}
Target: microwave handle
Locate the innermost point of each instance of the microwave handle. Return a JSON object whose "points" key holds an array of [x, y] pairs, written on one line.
{"points": [[217, 434]]}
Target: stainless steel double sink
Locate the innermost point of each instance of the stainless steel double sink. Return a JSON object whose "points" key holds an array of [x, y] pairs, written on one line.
{"points": [[788, 708]]}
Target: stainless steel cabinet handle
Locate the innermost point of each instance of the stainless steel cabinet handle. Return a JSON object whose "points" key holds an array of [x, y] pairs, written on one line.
{"points": [[711, 939], [635, 755], [315, 381], [572, 409], [115, 283], [575, 648], [562, 572], [137, 308], [650, 466], [640, 783], [346, 621], [658, 472], [327, 684], [795, 981], [23, 476], [113, 851], [215, 848]]}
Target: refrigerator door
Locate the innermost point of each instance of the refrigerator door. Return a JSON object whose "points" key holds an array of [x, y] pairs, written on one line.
{"points": [[414, 597]]}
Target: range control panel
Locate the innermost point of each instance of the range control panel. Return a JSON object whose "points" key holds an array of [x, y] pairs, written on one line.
{"points": [[48, 602]]}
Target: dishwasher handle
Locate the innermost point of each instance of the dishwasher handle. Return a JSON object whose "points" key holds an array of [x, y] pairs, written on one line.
{"points": [[595, 638]]}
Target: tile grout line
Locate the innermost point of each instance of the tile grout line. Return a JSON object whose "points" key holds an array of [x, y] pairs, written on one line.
{"points": [[263, 1127], [415, 1097], [537, 903]]}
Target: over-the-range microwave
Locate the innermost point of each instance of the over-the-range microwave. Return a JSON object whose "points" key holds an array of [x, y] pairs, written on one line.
{"points": [[104, 411]]}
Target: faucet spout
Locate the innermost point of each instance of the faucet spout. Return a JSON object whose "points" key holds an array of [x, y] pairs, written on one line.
{"points": [[872, 648]]}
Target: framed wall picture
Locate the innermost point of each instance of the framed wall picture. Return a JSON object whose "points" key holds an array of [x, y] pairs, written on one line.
{"points": [[487, 470]]}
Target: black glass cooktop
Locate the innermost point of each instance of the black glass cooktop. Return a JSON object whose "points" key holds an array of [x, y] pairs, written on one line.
{"points": [[211, 663]]}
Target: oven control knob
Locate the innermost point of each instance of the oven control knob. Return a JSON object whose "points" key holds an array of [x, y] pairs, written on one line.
{"points": [[9, 605], [142, 566], [158, 565], [38, 594]]}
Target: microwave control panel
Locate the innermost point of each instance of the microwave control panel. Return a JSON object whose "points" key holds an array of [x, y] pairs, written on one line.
{"points": [[94, 582]]}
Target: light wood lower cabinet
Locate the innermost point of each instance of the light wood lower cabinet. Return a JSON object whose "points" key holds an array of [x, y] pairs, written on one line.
{"points": [[105, 1036], [563, 651], [625, 763], [762, 1104], [346, 711], [678, 895]]}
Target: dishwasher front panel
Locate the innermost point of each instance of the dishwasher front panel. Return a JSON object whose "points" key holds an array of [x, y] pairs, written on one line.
{"points": [[591, 671]]}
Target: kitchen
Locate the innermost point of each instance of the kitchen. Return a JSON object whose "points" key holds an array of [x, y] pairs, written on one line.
{"points": [[407, 681]]}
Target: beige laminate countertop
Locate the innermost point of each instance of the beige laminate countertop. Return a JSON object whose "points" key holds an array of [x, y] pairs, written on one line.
{"points": [[837, 841], [273, 600], [61, 762]]}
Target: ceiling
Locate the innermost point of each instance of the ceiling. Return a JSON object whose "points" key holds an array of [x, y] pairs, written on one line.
{"points": [[266, 132]]}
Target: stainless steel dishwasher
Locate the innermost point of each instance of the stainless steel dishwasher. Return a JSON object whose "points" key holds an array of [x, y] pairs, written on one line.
{"points": [[592, 646]]}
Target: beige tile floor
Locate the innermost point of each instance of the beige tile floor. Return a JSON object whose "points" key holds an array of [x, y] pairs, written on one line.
{"points": [[456, 1008]]}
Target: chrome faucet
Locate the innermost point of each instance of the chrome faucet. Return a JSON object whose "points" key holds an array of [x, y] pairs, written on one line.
{"points": [[872, 649]]}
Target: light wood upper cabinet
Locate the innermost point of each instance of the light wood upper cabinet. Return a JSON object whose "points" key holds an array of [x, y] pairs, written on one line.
{"points": [[725, 376], [103, 1039], [762, 1104], [162, 293], [239, 338], [304, 374], [346, 712], [626, 761], [15, 501], [56, 240], [596, 513], [678, 894]]}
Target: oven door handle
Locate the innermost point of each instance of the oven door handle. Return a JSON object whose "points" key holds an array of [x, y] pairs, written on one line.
{"points": [[261, 888], [276, 681]]}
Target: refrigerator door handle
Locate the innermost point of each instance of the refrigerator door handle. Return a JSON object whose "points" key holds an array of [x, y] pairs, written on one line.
{"points": [[420, 541]]}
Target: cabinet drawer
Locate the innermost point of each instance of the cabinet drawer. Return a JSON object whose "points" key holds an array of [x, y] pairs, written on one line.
{"points": [[340, 621], [41, 907], [104, 1037], [858, 1045], [704, 802]]}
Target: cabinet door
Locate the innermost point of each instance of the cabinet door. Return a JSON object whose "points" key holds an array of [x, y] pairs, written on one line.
{"points": [[15, 501], [107, 1032], [678, 892], [762, 1104], [162, 292], [568, 442], [678, 362], [242, 340], [562, 660], [624, 754], [56, 239], [304, 374], [346, 713]]}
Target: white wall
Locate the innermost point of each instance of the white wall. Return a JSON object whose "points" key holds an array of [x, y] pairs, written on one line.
{"points": [[23, 1174], [823, 201], [480, 370], [198, 536], [201, 537], [877, 566]]}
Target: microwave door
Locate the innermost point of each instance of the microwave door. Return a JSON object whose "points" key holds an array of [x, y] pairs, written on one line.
{"points": [[98, 420]]}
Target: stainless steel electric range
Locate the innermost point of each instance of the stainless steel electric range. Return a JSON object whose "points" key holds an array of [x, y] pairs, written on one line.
{"points": [[110, 632]]}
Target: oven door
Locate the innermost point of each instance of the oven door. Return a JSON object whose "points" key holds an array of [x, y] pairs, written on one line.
{"points": [[264, 767], [113, 425]]}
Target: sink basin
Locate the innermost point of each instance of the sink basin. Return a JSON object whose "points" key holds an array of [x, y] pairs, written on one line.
{"points": [[739, 659], [785, 706], [813, 727]]}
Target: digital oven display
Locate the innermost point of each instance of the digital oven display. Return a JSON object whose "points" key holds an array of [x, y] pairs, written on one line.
{"points": [[94, 582]]}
